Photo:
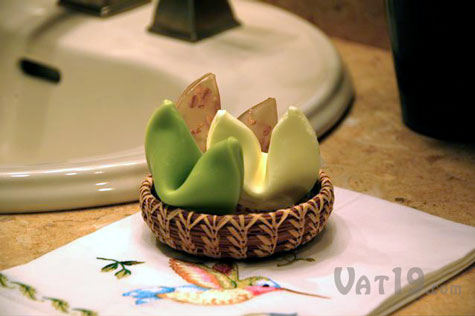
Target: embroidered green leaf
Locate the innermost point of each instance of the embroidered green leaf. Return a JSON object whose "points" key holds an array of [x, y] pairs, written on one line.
{"points": [[131, 263], [26, 290], [85, 312], [122, 273], [58, 304], [3, 281], [109, 267]]}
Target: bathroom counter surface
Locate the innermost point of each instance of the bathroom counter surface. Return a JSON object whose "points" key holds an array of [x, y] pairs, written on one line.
{"points": [[371, 152]]}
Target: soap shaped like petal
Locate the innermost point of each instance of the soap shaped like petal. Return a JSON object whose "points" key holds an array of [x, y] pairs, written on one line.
{"points": [[170, 151], [261, 119], [224, 125], [198, 104], [183, 176], [281, 177], [293, 161]]}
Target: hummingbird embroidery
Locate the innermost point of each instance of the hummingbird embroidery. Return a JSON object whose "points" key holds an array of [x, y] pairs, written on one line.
{"points": [[215, 285]]}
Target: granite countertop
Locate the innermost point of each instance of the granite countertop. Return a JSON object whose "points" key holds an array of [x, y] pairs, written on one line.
{"points": [[371, 152]]}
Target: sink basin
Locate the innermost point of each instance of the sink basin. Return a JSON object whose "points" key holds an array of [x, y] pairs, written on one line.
{"points": [[76, 92]]}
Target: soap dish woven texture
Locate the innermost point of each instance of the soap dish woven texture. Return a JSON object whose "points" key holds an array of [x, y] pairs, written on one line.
{"points": [[246, 234]]}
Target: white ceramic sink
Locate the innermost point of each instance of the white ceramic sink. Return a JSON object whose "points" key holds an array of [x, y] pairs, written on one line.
{"points": [[79, 142]]}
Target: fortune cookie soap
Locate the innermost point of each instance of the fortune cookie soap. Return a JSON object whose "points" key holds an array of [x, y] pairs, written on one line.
{"points": [[183, 176], [225, 125], [293, 161], [281, 177]]}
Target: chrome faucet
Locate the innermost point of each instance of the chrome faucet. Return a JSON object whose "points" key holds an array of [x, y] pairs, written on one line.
{"points": [[190, 20]]}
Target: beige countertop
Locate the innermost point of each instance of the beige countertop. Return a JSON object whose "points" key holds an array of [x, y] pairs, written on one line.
{"points": [[370, 152]]}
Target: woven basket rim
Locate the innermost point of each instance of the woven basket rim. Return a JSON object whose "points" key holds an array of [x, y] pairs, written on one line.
{"points": [[324, 181]]}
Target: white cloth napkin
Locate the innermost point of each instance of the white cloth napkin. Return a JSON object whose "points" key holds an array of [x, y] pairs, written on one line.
{"points": [[372, 236]]}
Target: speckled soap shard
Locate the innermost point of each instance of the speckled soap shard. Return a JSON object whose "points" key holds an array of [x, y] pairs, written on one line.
{"points": [[183, 176], [281, 177], [197, 105], [261, 119]]}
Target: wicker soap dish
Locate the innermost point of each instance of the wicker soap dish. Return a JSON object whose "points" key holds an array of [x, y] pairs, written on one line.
{"points": [[245, 234]]}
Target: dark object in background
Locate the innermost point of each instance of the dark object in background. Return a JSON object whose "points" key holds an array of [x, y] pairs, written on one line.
{"points": [[102, 8], [430, 42], [192, 20]]}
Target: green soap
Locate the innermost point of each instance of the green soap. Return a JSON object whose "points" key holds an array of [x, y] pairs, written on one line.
{"points": [[183, 176]]}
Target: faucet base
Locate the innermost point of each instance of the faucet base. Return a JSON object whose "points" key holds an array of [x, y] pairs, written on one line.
{"points": [[192, 20]]}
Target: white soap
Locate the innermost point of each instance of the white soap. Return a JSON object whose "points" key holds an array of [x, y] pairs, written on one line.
{"points": [[281, 177]]}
